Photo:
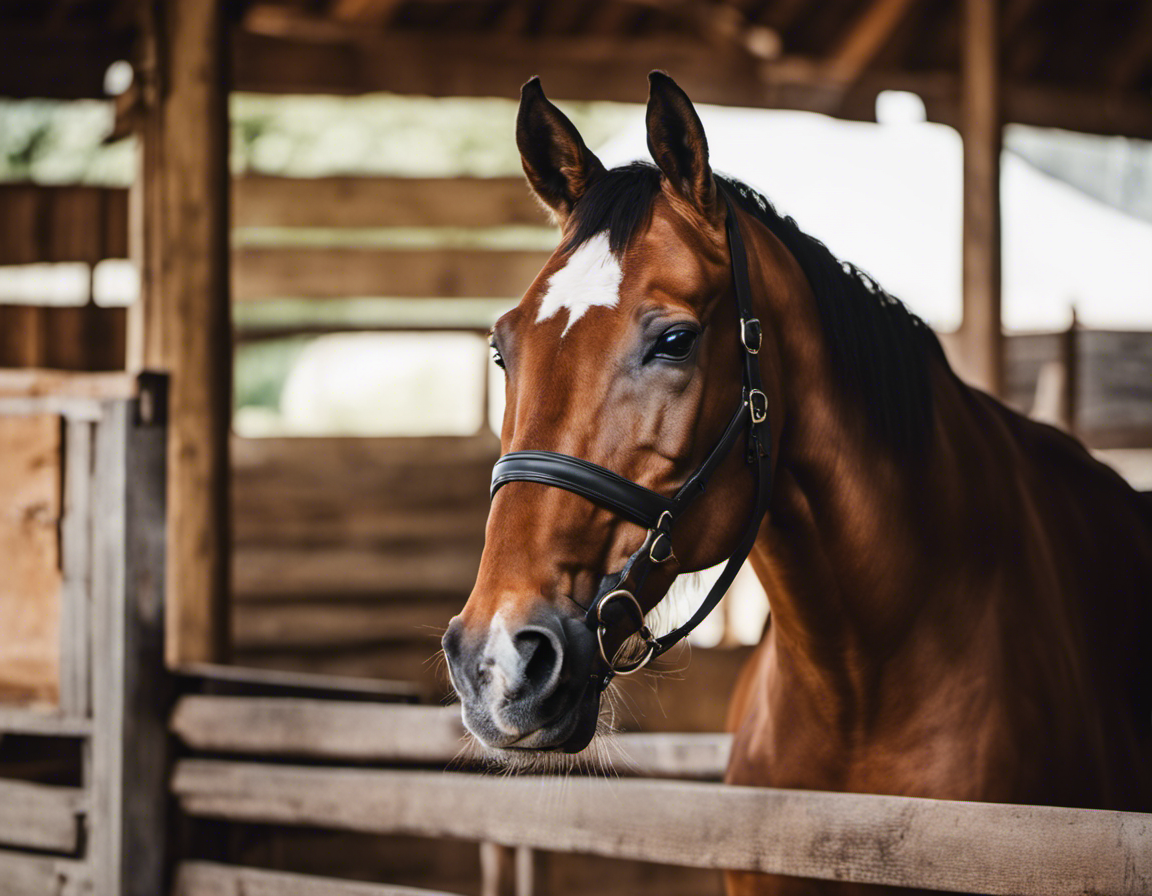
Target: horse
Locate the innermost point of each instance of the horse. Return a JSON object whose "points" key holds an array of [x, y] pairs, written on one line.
{"points": [[961, 598]]}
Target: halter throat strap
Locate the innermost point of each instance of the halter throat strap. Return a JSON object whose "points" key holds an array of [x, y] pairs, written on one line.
{"points": [[617, 597]]}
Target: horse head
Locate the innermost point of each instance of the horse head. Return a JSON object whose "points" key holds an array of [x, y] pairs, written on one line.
{"points": [[629, 353]]}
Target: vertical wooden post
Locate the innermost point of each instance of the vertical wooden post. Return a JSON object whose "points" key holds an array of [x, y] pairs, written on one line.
{"points": [[506, 870], [183, 323], [128, 761], [982, 356]]}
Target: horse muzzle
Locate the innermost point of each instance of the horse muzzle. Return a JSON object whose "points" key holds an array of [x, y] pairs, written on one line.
{"points": [[527, 687]]}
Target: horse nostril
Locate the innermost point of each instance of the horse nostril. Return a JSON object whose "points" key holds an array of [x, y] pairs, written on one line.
{"points": [[541, 653]]}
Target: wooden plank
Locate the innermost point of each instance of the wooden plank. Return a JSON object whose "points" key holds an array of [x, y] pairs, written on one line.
{"points": [[274, 273], [43, 223], [31, 382], [383, 202], [498, 870], [23, 336], [211, 879], [332, 729], [128, 756], [30, 502], [50, 724], [184, 312], [983, 355], [26, 875], [40, 816], [285, 570], [218, 679], [302, 623], [900, 841]]}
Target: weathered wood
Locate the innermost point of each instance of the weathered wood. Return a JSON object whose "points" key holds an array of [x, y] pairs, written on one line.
{"points": [[82, 337], [383, 202], [50, 724], [332, 729], [184, 322], [128, 761], [40, 816], [983, 355], [26, 875], [902, 841], [31, 382], [497, 870], [30, 477], [298, 272], [238, 680], [211, 879], [303, 623]]}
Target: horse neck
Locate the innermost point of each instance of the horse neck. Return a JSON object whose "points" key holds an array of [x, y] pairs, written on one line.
{"points": [[845, 545]]}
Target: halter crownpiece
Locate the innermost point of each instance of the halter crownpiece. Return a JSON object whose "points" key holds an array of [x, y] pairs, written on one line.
{"points": [[656, 512]]}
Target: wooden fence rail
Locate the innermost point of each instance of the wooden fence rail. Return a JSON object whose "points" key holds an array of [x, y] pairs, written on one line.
{"points": [[902, 841]]}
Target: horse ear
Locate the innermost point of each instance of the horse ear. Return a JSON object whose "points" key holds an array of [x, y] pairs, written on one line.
{"points": [[677, 143], [560, 168]]}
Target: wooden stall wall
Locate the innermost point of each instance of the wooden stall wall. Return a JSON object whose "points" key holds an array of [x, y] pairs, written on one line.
{"points": [[60, 224]]}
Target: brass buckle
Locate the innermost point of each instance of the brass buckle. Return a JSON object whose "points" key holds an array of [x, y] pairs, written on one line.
{"points": [[644, 632], [751, 334], [758, 405]]}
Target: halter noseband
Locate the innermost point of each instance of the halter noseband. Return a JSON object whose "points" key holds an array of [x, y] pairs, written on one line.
{"points": [[655, 512]]}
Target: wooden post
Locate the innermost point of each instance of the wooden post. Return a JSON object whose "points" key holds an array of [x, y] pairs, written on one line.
{"points": [[507, 870], [183, 323], [127, 766], [982, 356]]}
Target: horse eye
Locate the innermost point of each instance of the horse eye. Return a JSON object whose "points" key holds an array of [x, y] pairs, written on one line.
{"points": [[497, 358], [675, 345]]}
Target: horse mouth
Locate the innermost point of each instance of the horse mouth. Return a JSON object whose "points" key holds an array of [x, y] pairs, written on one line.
{"points": [[570, 732]]}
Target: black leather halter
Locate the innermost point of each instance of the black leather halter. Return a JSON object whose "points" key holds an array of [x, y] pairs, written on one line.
{"points": [[657, 512]]}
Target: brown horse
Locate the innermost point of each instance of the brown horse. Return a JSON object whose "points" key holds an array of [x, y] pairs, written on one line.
{"points": [[961, 598]]}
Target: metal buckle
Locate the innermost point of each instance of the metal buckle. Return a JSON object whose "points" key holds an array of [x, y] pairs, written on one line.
{"points": [[662, 529], [751, 334], [758, 405], [644, 632]]}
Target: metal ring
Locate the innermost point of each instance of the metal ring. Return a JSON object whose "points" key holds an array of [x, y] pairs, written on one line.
{"points": [[652, 548], [601, 628]]}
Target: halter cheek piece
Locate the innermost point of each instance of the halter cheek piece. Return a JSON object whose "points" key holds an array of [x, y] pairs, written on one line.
{"points": [[655, 512]]}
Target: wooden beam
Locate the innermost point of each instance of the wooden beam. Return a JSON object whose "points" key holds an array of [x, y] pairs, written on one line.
{"points": [[983, 355], [40, 816], [384, 202], [240, 681], [211, 879], [366, 732], [271, 273], [30, 62], [42, 724], [127, 763], [865, 39], [38, 383], [184, 308], [900, 841]]}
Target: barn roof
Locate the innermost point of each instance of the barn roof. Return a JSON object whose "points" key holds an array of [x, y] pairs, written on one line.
{"points": [[1082, 66]]}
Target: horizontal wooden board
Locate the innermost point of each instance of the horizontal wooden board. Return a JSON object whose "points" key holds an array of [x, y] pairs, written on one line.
{"points": [[40, 816], [14, 720], [279, 571], [901, 841], [30, 507], [212, 879], [38, 383], [317, 623], [331, 729], [235, 679], [383, 202], [298, 272], [44, 223], [28, 875], [84, 337]]}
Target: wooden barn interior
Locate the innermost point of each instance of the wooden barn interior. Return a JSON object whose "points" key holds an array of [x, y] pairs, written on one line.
{"points": [[343, 555]]}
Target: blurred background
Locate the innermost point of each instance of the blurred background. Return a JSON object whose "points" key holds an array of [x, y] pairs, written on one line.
{"points": [[310, 212]]}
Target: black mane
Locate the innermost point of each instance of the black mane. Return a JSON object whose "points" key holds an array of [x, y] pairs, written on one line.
{"points": [[879, 349]]}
